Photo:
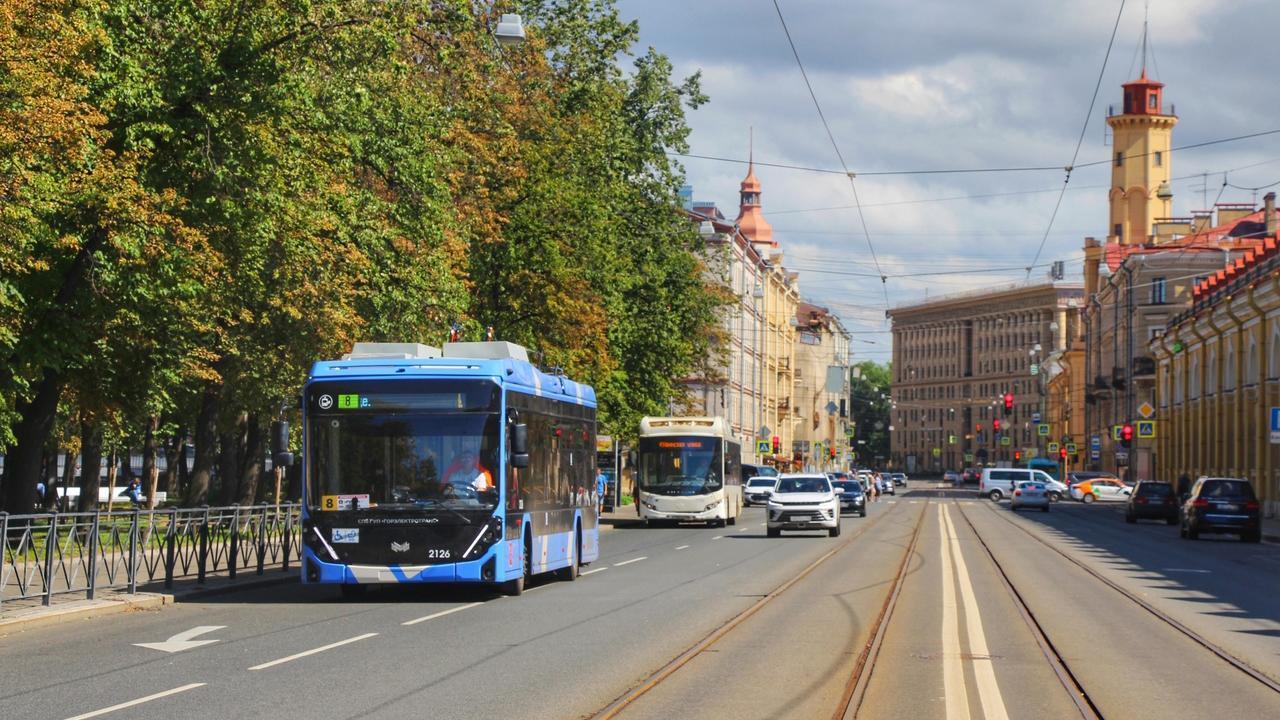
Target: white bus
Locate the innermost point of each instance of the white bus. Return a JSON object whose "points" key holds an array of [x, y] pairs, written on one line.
{"points": [[689, 469]]}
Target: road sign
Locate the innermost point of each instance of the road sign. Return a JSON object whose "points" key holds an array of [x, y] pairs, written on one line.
{"points": [[1146, 429], [1095, 455], [1035, 369], [1006, 441], [968, 457], [1146, 411], [1042, 429], [1115, 431], [937, 452], [1275, 425], [1035, 418], [1071, 448], [765, 431], [951, 439], [1095, 443], [1053, 448], [1122, 457], [762, 447]]}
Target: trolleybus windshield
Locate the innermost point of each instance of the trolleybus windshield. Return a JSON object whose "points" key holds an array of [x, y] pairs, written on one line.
{"points": [[434, 448], [681, 465]]}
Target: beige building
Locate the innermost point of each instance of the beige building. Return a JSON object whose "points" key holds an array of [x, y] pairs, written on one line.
{"points": [[750, 381], [955, 358], [1218, 374], [820, 403]]}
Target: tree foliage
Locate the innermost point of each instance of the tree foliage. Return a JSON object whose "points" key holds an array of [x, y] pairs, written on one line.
{"points": [[871, 395], [198, 200]]}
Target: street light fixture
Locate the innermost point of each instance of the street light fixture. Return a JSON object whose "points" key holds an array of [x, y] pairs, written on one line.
{"points": [[510, 31]]}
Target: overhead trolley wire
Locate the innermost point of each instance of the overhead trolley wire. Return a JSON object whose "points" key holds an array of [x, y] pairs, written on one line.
{"points": [[1079, 141], [830, 136]]}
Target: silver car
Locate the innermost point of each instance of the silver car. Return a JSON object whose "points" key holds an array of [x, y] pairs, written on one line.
{"points": [[758, 489], [1031, 494]]}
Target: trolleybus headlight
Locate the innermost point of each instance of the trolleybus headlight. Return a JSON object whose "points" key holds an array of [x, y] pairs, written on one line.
{"points": [[649, 505], [712, 506]]}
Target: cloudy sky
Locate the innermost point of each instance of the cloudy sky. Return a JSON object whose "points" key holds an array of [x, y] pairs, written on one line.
{"points": [[943, 84]]}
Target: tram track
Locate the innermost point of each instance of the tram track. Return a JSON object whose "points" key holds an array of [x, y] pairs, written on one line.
{"points": [[1073, 686], [659, 676]]}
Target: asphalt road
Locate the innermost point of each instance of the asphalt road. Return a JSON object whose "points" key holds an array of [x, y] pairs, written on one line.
{"points": [[954, 644]]}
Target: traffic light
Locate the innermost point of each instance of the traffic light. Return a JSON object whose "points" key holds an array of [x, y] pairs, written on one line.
{"points": [[977, 428], [777, 445], [1008, 403], [1062, 453], [1017, 455], [831, 452], [1126, 435], [996, 424]]}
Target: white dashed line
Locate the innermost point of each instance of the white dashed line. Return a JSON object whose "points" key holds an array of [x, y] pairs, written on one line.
{"points": [[442, 613], [628, 562], [596, 570], [683, 547], [139, 701], [300, 655], [717, 537], [743, 529]]}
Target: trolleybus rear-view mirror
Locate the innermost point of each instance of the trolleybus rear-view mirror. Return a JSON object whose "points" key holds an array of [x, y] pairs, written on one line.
{"points": [[520, 445]]}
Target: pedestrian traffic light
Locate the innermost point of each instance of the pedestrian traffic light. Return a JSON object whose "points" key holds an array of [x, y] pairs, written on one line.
{"points": [[1062, 453], [1126, 435], [1017, 455], [1008, 403], [831, 452], [777, 445], [996, 425]]}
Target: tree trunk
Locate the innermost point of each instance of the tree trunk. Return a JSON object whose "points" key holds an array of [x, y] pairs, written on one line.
{"points": [[229, 466], [68, 478], [22, 462], [113, 472], [251, 474], [206, 439], [150, 471], [90, 465], [173, 456]]}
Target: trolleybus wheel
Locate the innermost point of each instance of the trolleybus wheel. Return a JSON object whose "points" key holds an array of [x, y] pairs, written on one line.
{"points": [[516, 587], [570, 573]]}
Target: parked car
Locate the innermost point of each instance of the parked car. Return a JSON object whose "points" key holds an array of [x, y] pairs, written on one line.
{"points": [[1221, 505], [1103, 489], [757, 490], [886, 486], [803, 501], [998, 483], [1153, 501], [899, 479], [1030, 493], [971, 474], [853, 498], [951, 477]]}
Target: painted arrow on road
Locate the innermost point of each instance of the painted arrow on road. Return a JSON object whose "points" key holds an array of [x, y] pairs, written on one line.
{"points": [[182, 641]]}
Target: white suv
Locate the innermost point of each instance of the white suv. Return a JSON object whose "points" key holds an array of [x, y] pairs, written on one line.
{"points": [[804, 502]]}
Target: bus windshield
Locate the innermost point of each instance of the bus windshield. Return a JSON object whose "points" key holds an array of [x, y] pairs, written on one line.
{"points": [[364, 461], [680, 465]]}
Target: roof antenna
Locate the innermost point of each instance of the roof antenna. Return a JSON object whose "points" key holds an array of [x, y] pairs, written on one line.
{"points": [[1146, 9]]}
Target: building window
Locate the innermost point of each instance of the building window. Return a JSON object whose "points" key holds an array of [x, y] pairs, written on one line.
{"points": [[1157, 291], [1119, 159], [1211, 378], [1119, 231], [1195, 379], [1251, 364], [1229, 372], [1153, 101], [1159, 159]]}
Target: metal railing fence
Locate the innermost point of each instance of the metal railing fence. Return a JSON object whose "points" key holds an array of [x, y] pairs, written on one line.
{"points": [[50, 554]]}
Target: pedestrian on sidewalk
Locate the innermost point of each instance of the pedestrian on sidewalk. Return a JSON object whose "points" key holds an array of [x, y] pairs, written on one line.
{"points": [[134, 493], [601, 484]]}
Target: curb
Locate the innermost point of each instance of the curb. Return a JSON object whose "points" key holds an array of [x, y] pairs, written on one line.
{"points": [[88, 609]]}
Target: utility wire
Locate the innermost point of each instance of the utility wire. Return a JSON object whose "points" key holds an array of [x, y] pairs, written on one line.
{"points": [[1079, 141], [830, 136]]}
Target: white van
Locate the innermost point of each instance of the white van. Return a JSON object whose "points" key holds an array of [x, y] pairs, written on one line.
{"points": [[997, 483]]}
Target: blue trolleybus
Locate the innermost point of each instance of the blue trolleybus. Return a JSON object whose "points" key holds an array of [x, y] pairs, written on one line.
{"points": [[461, 465]]}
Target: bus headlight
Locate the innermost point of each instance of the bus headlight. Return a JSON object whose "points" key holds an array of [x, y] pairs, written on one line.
{"points": [[712, 506], [650, 505]]}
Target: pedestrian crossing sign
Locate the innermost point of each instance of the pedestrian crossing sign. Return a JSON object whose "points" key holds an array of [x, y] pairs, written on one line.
{"points": [[1146, 429], [1006, 440], [762, 447], [1053, 448], [1115, 431], [1043, 429]]}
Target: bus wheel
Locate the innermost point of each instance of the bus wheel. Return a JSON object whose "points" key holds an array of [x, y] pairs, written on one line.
{"points": [[733, 520], [569, 574], [516, 587]]}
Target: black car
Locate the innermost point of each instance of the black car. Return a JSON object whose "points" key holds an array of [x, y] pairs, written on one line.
{"points": [[1152, 501], [1222, 505], [853, 499]]}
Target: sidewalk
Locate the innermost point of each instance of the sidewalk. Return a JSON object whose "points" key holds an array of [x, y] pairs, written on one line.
{"points": [[20, 615], [620, 516], [1271, 529]]}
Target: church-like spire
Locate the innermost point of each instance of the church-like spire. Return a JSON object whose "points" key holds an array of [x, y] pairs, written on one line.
{"points": [[750, 215]]}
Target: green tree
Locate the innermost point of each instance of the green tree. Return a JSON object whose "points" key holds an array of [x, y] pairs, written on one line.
{"points": [[870, 399]]}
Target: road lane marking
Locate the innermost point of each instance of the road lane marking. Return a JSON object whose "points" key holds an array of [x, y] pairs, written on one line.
{"points": [[139, 701], [628, 562], [984, 674], [596, 570], [442, 613], [300, 655], [743, 529], [1190, 570], [717, 537], [683, 547], [182, 641], [957, 698]]}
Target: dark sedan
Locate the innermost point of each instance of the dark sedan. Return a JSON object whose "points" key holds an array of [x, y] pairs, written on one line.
{"points": [[853, 499], [1152, 501], [1222, 505]]}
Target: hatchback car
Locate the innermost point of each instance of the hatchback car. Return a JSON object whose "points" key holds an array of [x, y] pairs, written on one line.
{"points": [[1031, 494], [951, 477], [757, 489], [852, 498], [900, 479], [1221, 505], [803, 502], [1153, 501], [885, 484]]}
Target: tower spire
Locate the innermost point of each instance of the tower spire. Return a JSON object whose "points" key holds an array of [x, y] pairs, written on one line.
{"points": [[1146, 11]]}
